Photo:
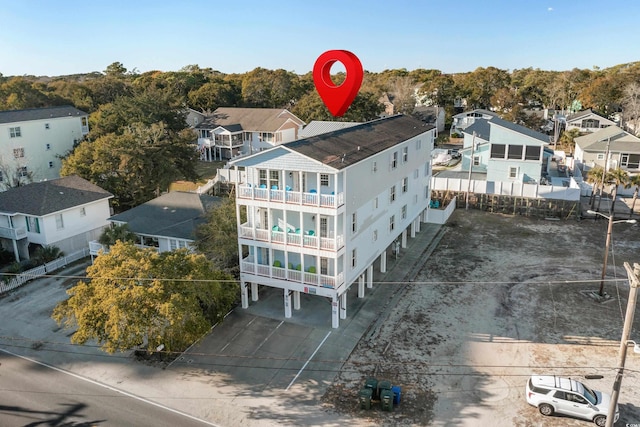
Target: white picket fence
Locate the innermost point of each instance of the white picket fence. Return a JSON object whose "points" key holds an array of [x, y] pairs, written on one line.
{"points": [[22, 278]]}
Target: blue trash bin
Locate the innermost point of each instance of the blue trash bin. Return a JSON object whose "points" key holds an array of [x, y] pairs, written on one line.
{"points": [[396, 394]]}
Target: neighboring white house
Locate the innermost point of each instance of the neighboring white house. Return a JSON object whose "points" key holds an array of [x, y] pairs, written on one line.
{"points": [[229, 132], [165, 223], [463, 120], [505, 151], [319, 211], [587, 121], [66, 212], [318, 127], [623, 147], [32, 141]]}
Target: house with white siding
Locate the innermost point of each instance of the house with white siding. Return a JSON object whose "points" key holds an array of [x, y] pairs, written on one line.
{"points": [[66, 212], [315, 214], [587, 121], [622, 148], [165, 223], [32, 141], [230, 132]]}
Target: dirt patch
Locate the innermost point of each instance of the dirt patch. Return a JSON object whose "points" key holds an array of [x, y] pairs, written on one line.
{"points": [[500, 298]]}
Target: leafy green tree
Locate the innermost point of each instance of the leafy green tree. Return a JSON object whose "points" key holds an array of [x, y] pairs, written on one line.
{"points": [[211, 95], [139, 297], [481, 84], [137, 165], [567, 140], [217, 238], [48, 253], [365, 107]]}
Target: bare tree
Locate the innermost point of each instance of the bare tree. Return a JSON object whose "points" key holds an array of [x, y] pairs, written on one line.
{"points": [[631, 107], [14, 175], [402, 92]]}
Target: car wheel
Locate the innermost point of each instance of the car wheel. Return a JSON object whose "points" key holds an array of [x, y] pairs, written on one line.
{"points": [[600, 420], [545, 409]]}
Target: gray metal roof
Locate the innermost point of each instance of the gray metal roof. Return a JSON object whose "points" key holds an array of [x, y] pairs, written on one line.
{"points": [[175, 214], [345, 147], [482, 127], [13, 116], [249, 119], [46, 197], [619, 141]]}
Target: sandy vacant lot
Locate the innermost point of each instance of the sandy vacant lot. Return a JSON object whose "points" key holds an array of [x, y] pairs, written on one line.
{"points": [[500, 298]]}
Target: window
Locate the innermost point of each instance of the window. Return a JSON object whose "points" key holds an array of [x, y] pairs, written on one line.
{"points": [[23, 172], [405, 154], [18, 152], [173, 244], [590, 123], [498, 151], [515, 152], [374, 167], [33, 224], [83, 212], [405, 184], [354, 258], [84, 122], [324, 265], [48, 146], [513, 172], [375, 235], [2, 179], [416, 173], [415, 199], [426, 192], [392, 194], [15, 132], [392, 223], [46, 125], [324, 227], [375, 203], [600, 156], [426, 169], [394, 160], [476, 160], [50, 165], [404, 212], [354, 222], [324, 179], [273, 178], [262, 177], [59, 222], [532, 153], [418, 144]]}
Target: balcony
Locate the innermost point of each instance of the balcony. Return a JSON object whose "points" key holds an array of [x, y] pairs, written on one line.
{"points": [[13, 233], [311, 198], [291, 237], [291, 274]]}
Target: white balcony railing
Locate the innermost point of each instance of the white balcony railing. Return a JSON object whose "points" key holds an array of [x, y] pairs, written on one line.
{"points": [[247, 191], [293, 275], [247, 231], [13, 233]]}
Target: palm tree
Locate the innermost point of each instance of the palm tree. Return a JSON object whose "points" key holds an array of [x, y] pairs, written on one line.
{"points": [[594, 176], [566, 140], [47, 254], [635, 181], [616, 178], [111, 235]]}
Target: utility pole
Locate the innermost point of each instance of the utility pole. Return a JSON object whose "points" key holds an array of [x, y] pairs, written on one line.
{"points": [[604, 174], [634, 280], [473, 148]]}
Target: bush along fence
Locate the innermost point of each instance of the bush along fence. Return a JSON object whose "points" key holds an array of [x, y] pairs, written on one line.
{"points": [[24, 277], [512, 205]]}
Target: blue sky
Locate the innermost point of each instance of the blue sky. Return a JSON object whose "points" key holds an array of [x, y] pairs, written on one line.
{"points": [[43, 37]]}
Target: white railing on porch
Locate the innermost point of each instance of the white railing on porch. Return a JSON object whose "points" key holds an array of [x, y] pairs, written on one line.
{"points": [[291, 197], [248, 266], [246, 231], [13, 233], [518, 189]]}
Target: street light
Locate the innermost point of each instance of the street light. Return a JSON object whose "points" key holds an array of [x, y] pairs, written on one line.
{"points": [[608, 242], [624, 341]]}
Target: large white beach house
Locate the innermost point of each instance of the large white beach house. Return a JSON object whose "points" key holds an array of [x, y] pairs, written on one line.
{"points": [[315, 214]]}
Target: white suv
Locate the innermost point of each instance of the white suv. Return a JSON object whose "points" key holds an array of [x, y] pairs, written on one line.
{"points": [[551, 394]]}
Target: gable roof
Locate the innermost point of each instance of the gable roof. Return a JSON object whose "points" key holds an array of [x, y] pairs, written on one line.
{"points": [[476, 111], [618, 140], [175, 214], [483, 127], [46, 197], [317, 127], [584, 113], [345, 147], [249, 119], [13, 116]]}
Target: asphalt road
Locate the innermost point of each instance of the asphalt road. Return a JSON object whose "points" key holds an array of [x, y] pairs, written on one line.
{"points": [[35, 394]]}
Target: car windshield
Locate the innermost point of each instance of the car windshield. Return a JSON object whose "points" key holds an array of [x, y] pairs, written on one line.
{"points": [[590, 395]]}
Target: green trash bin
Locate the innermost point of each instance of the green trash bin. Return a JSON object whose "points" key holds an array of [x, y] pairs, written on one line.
{"points": [[364, 396], [383, 385], [372, 383], [386, 399]]}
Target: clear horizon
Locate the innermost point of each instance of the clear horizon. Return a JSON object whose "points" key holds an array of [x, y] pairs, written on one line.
{"points": [[52, 39]]}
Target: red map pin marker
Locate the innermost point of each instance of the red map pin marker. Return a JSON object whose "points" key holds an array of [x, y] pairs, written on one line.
{"points": [[337, 98]]}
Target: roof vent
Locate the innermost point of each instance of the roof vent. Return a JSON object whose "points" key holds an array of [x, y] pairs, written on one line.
{"points": [[358, 148]]}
